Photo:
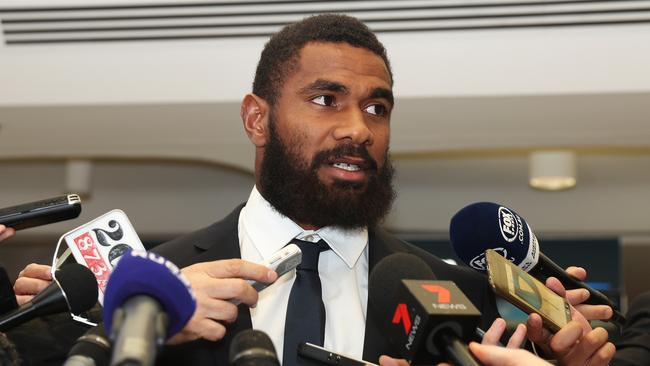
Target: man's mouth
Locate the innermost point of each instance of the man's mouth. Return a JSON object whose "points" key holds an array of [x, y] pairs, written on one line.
{"points": [[348, 167]]}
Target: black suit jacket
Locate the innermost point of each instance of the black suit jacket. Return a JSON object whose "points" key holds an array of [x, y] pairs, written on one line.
{"points": [[221, 241], [633, 348]]}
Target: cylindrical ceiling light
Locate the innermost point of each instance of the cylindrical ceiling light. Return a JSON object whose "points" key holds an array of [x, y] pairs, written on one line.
{"points": [[552, 170]]}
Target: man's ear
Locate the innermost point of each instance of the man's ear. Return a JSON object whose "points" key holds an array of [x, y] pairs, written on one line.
{"points": [[254, 114]]}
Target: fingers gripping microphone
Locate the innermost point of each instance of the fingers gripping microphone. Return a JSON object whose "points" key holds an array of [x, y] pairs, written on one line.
{"points": [[74, 289], [429, 320], [487, 225], [147, 301], [252, 348]]}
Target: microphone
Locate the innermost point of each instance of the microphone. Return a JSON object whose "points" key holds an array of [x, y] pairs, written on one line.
{"points": [[74, 289], [41, 212], [429, 320], [7, 294], [91, 349], [147, 300], [487, 225], [252, 348]]}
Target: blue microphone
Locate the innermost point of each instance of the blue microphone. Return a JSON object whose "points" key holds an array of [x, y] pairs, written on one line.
{"points": [[487, 225], [147, 301]]}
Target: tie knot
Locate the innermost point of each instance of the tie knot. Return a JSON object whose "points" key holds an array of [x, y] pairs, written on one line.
{"points": [[310, 253]]}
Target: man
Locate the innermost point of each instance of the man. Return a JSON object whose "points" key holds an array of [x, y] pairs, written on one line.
{"points": [[319, 119]]}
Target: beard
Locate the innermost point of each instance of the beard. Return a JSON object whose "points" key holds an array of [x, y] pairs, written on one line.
{"points": [[291, 185]]}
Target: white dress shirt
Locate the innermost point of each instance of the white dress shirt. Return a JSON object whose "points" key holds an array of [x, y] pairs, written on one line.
{"points": [[343, 272]]}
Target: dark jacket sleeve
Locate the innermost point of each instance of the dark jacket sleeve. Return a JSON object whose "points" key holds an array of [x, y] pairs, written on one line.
{"points": [[633, 348]]}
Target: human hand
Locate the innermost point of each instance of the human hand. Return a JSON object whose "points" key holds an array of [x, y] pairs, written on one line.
{"points": [[578, 296], [217, 285], [389, 361], [575, 343], [498, 327], [490, 355], [31, 281], [491, 337], [6, 232]]}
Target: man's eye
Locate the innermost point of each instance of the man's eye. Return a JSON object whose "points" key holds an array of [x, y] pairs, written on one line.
{"points": [[326, 100], [377, 109]]}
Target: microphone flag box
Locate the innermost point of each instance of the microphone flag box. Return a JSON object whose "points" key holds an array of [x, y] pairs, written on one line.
{"points": [[100, 243], [426, 309]]}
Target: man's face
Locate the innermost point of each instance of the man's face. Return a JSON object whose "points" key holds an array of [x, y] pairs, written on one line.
{"points": [[326, 160]]}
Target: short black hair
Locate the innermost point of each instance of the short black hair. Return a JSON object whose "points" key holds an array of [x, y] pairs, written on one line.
{"points": [[280, 55]]}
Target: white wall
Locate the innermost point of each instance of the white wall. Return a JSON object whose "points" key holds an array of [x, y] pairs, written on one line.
{"points": [[612, 196]]}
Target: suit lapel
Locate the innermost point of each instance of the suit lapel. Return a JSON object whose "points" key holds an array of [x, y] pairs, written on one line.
{"points": [[222, 242], [375, 342]]}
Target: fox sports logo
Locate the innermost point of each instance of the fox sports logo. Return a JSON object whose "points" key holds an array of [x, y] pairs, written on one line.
{"points": [[508, 224]]}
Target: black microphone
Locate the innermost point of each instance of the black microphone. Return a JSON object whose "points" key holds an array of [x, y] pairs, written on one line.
{"points": [[487, 225], [41, 212], [430, 321], [252, 348], [91, 349], [74, 289], [7, 294]]}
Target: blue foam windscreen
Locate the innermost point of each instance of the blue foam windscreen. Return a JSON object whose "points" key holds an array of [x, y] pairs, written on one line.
{"points": [[142, 273], [486, 225]]}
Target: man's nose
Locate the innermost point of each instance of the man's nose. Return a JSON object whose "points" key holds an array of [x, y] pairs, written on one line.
{"points": [[353, 126]]}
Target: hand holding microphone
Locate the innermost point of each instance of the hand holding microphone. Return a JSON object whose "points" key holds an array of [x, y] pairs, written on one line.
{"points": [[74, 289], [33, 279], [486, 225], [217, 285], [147, 301]]}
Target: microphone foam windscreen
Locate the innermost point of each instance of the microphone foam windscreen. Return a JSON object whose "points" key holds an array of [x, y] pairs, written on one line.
{"points": [[7, 294], [141, 273], [79, 286], [386, 279], [254, 345], [93, 345], [486, 225]]}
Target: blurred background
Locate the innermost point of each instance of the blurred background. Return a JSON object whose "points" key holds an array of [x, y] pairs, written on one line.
{"points": [[135, 105]]}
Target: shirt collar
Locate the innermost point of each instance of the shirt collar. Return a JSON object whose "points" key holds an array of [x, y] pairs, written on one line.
{"points": [[269, 231]]}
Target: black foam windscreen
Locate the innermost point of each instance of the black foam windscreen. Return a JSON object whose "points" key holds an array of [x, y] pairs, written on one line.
{"points": [[92, 345], [7, 295], [252, 347], [79, 286], [386, 279]]}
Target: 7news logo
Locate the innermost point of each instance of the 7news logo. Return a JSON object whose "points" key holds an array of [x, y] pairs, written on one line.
{"points": [[443, 301]]}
